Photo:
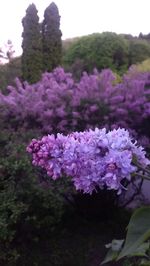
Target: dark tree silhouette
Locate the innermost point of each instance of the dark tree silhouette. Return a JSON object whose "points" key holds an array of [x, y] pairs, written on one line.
{"points": [[31, 45], [52, 45]]}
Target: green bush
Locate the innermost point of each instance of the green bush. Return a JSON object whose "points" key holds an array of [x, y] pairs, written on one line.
{"points": [[139, 50], [106, 50], [30, 207], [8, 73]]}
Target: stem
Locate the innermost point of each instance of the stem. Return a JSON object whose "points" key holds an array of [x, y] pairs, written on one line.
{"points": [[137, 192], [142, 176], [142, 168]]}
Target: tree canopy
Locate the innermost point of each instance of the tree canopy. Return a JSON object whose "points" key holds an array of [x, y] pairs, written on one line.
{"points": [[52, 45], [31, 45]]}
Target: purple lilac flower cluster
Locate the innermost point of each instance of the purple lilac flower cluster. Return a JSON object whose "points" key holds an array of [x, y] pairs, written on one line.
{"points": [[57, 103], [93, 159], [43, 105]]}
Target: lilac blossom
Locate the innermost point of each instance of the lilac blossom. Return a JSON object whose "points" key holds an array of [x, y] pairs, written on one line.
{"points": [[92, 159], [57, 103]]}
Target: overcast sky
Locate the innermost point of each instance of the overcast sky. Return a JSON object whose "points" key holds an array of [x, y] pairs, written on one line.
{"points": [[78, 17]]}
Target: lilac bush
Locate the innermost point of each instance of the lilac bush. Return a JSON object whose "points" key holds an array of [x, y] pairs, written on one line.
{"points": [[43, 105], [93, 159], [90, 101], [100, 101], [130, 105], [59, 104]]}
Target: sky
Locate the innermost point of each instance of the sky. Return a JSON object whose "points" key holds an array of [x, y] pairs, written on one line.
{"points": [[78, 17]]}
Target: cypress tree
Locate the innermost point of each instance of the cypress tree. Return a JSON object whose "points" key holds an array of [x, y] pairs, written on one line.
{"points": [[31, 45], [52, 45]]}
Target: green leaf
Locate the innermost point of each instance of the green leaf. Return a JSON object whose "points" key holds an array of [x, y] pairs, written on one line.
{"points": [[115, 247], [111, 255], [141, 250], [138, 231]]}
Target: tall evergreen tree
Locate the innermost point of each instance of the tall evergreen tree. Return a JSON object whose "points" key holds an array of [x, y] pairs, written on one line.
{"points": [[52, 45], [31, 45]]}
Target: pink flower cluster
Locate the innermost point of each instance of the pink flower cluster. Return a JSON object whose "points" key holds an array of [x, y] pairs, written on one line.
{"points": [[93, 159]]}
